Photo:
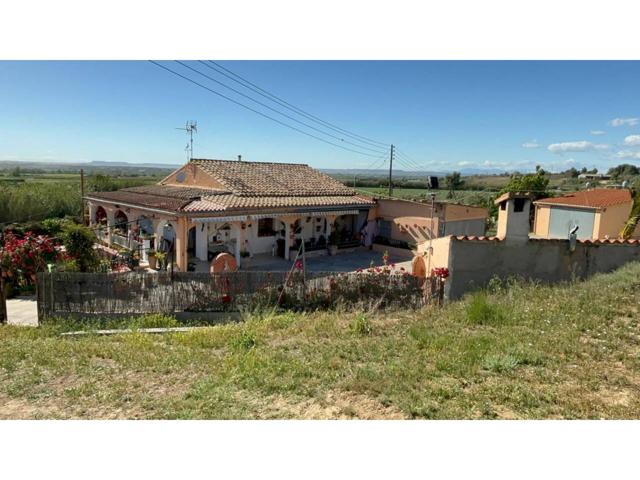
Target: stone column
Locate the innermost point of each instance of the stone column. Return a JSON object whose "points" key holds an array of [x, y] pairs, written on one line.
{"points": [[110, 222], [202, 236], [238, 235], [181, 244], [92, 214]]}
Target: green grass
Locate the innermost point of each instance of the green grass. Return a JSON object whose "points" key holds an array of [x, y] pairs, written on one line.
{"points": [[514, 351]]}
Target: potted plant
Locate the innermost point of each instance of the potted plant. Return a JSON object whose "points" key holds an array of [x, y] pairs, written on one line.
{"points": [[160, 257], [333, 243], [152, 259]]}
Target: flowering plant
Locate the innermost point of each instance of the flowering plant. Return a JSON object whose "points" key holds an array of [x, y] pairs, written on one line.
{"points": [[440, 272], [22, 257]]}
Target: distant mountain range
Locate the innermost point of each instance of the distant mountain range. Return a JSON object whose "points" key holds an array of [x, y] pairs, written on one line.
{"points": [[89, 166], [104, 165], [411, 173]]}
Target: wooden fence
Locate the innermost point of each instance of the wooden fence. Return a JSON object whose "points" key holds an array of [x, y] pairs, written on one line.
{"points": [[103, 294]]}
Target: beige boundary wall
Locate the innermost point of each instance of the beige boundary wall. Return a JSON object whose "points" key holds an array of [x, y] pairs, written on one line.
{"points": [[473, 262]]}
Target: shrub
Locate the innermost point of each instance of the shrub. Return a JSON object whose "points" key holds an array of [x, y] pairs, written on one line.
{"points": [[55, 226], [481, 312], [78, 241]]}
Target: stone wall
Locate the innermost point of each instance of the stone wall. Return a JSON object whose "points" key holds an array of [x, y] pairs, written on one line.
{"points": [[473, 262]]}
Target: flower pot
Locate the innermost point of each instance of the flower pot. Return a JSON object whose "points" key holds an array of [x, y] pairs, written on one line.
{"points": [[152, 263]]}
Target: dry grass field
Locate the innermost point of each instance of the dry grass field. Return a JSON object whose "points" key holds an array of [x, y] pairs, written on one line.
{"points": [[514, 351]]}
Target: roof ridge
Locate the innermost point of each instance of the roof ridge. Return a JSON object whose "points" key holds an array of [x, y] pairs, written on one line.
{"points": [[247, 161]]}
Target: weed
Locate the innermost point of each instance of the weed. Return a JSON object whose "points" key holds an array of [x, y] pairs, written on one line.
{"points": [[481, 312], [361, 325], [245, 340], [500, 363]]}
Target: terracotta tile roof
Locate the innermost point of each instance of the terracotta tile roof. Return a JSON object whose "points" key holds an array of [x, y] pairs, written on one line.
{"points": [[234, 202], [186, 193], [272, 179], [275, 185], [595, 198], [473, 238], [159, 202]]}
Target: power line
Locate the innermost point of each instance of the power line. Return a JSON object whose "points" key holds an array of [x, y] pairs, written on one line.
{"points": [[410, 160], [376, 164], [276, 110], [259, 112], [272, 97]]}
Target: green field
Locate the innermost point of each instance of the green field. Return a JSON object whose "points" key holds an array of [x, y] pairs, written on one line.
{"points": [[33, 197], [516, 351], [468, 197]]}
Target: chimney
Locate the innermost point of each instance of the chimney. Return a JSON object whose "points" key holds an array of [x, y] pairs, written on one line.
{"points": [[513, 215], [239, 158]]}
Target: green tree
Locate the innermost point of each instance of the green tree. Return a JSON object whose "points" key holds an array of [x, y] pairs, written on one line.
{"points": [[535, 183], [624, 170], [78, 241], [453, 182]]}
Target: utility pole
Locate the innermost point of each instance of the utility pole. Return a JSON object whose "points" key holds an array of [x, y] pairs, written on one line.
{"points": [[84, 222], [391, 171]]}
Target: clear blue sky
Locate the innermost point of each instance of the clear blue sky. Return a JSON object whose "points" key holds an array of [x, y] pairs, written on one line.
{"points": [[444, 115]]}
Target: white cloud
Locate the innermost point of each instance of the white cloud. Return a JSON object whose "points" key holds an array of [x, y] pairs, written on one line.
{"points": [[531, 144], [632, 140], [597, 132], [580, 146], [629, 122], [464, 163], [628, 154]]}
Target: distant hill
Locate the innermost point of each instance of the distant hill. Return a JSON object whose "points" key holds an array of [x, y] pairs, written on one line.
{"points": [[89, 167], [408, 173]]}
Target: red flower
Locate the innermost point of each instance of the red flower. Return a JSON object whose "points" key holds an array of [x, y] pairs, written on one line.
{"points": [[298, 265], [441, 272]]}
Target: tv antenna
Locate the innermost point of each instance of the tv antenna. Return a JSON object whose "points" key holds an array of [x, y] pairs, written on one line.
{"points": [[189, 127]]}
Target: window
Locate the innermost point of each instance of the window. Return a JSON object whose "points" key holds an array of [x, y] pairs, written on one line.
{"points": [[265, 227], [518, 204]]}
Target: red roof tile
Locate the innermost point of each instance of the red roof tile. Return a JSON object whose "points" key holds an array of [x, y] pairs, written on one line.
{"points": [[596, 198]]}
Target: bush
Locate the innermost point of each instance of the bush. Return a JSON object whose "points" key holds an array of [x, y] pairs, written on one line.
{"points": [[481, 312], [55, 226], [78, 240]]}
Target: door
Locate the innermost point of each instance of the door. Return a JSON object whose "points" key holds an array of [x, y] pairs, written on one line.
{"points": [[562, 220]]}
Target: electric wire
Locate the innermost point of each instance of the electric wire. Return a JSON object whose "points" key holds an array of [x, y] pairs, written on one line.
{"points": [[257, 111], [274, 98], [276, 110]]}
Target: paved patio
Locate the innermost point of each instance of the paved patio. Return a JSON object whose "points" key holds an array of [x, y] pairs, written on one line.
{"points": [[22, 311], [343, 262]]}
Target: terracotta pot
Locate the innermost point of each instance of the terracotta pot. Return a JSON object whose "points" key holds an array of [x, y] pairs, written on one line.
{"points": [[152, 263]]}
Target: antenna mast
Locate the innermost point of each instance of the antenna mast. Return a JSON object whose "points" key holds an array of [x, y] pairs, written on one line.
{"points": [[190, 127]]}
